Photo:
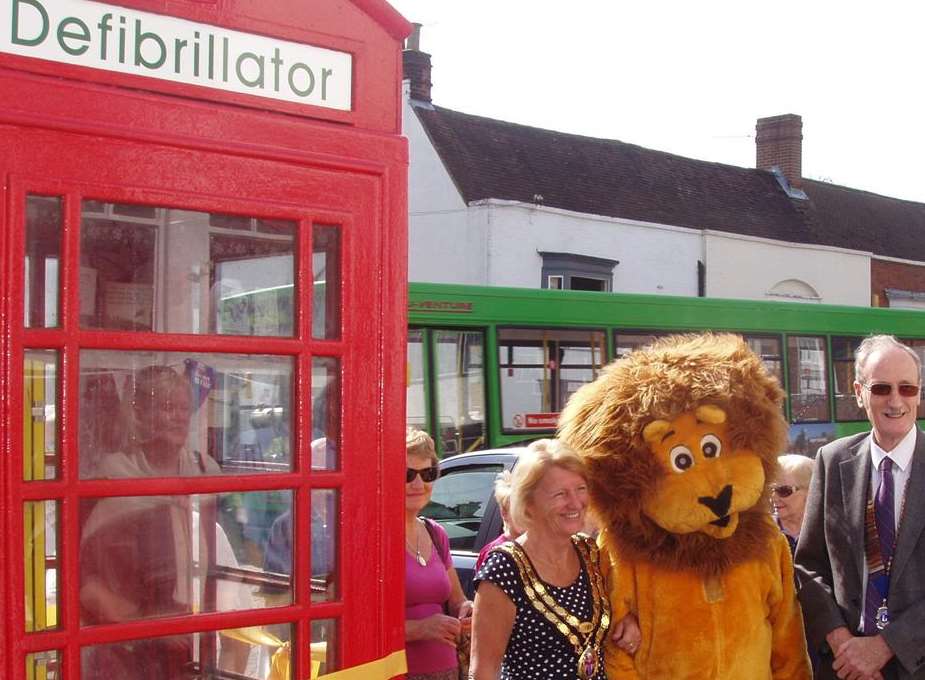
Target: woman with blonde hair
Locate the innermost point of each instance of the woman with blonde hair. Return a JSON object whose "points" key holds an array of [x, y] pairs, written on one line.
{"points": [[437, 612], [788, 494], [541, 609]]}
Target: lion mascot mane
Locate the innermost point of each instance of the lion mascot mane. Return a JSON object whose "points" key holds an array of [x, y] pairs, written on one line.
{"points": [[680, 439]]}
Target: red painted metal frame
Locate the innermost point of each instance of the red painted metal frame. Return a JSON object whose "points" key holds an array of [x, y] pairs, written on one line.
{"points": [[97, 139]]}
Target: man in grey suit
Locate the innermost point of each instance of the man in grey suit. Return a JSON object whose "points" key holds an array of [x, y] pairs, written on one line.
{"points": [[861, 553]]}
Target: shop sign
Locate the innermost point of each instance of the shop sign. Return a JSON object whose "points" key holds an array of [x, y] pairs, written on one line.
{"points": [[110, 38]]}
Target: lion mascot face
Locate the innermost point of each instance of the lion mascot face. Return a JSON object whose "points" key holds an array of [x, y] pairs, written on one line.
{"points": [[680, 438]]}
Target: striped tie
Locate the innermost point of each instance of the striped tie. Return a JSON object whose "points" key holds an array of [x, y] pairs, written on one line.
{"points": [[878, 584]]}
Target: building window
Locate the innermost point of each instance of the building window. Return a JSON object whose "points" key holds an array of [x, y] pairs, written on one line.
{"points": [[576, 272]]}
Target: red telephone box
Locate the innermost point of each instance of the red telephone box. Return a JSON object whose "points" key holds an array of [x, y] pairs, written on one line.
{"points": [[203, 252]]}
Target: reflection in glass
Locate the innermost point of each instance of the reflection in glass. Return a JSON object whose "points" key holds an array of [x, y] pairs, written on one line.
{"points": [[40, 395], [626, 342], [324, 647], [43, 666], [326, 282], [226, 274], [325, 413], [808, 382], [40, 573], [415, 404], [460, 390], [459, 500], [324, 544], [846, 404], [768, 350], [918, 346], [252, 653], [540, 369], [43, 253], [143, 557], [166, 414]]}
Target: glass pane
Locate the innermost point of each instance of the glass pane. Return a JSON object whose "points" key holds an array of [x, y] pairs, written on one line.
{"points": [[458, 502], [918, 346], [540, 369], [254, 653], [40, 573], [324, 545], [809, 394], [768, 350], [624, 343], [143, 557], [43, 252], [40, 395], [325, 413], [460, 390], [415, 394], [846, 404], [326, 282], [166, 414], [219, 278], [44, 666], [323, 647]]}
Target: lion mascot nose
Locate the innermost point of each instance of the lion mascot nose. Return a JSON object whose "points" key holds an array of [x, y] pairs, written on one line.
{"points": [[719, 505]]}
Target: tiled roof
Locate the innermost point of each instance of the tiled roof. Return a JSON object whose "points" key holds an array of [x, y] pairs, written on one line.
{"points": [[851, 218], [489, 158]]}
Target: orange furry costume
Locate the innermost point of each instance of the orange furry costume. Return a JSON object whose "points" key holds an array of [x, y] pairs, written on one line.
{"points": [[680, 438]]}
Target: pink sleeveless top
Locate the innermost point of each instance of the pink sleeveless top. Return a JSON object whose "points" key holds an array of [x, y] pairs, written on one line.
{"points": [[426, 590]]}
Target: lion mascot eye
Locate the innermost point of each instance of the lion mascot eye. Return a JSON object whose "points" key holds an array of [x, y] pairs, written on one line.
{"points": [[711, 446], [681, 459]]}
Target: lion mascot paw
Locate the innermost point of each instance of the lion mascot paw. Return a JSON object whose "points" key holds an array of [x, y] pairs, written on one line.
{"points": [[680, 438]]}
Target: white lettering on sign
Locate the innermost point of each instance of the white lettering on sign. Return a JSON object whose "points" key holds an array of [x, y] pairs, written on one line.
{"points": [[111, 38]]}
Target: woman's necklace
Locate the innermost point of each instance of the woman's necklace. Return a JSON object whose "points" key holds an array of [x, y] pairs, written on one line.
{"points": [[416, 548]]}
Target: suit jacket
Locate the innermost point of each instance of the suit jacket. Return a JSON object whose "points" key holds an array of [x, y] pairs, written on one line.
{"points": [[830, 555]]}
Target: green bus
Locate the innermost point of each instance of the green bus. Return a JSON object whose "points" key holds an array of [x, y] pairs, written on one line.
{"points": [[491, 367]]}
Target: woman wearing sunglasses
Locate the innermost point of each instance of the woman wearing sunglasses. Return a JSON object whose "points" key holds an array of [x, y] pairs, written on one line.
{"points": [[437, 612], [788, 494]]}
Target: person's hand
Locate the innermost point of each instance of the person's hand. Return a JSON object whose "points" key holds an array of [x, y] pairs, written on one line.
{"points": [[861, 658], [442, 628], [626, 635], [465, 616]]}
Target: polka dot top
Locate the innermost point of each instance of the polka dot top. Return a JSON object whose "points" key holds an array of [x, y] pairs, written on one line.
{"points": [[536, 649]]}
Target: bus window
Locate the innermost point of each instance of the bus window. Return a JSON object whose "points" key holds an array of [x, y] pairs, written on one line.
{"points": [[540, 369], [846, 405], [626, 342], [460, 397], [768, 349], [415, 404], [919, 347], [806, 358]]}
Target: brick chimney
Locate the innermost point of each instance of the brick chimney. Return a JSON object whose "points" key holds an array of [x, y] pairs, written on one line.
{"points": [[779, 143], [416, 66]]}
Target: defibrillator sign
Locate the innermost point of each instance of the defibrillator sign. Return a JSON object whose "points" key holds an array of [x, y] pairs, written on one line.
{"points": [[111, 38]]}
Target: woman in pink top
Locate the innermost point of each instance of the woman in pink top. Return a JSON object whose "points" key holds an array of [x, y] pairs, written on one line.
{"points": [[437, 612]]}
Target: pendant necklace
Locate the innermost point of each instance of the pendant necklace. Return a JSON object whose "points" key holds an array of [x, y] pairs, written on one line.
{"points": [[419, 558]]}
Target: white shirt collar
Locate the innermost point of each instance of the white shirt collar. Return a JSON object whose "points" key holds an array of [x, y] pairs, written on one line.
{"points": [[901, 455]]}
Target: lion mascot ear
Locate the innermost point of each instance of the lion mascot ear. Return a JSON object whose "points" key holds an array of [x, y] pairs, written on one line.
{"points": [[655, 430], [713, 415]]}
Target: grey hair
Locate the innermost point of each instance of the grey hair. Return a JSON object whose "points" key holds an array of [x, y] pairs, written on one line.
{"points": [[876, 343], [799, 467]]}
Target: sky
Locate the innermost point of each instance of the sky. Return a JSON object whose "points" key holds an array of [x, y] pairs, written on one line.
{"points": [[692, 78]]}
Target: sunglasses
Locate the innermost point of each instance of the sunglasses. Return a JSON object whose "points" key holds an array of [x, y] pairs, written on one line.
{"points": [[427, 474], [884, 389], [784, 490]]}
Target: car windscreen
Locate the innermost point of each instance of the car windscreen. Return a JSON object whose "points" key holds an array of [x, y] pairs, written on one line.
{"points": [[459, 500]]}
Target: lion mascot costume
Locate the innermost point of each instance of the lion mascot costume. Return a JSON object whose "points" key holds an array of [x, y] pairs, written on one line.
{"points": [[681, 438]]}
